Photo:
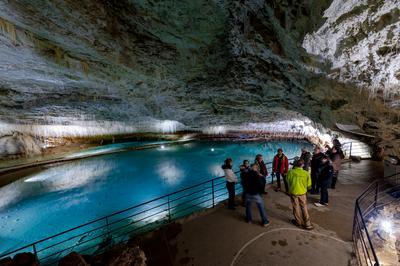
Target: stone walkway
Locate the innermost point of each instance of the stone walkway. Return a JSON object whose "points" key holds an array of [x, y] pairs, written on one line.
{"points": [[221, 237]]}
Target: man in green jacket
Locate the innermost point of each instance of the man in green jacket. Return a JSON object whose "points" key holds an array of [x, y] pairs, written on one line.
{"points": [[299, 182]]}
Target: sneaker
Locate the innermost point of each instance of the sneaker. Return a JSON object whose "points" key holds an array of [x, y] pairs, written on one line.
{"points": [[277, 189], [319, 204], [293, 221], [326, 204], [309, 227], [266, 224]]}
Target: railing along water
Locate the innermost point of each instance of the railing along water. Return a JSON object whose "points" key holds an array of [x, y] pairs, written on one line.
{"points": [[377, 195], [96, 236]]}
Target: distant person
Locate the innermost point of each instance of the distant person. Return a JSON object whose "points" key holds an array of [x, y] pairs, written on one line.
{"points": [[324, 180], [306, 157], [328, 150], [231, 180], [336, 143], [316, 162], [299, 181], [262, 168], [336, 160], [254, 186], [280, 167], [244, 169]]}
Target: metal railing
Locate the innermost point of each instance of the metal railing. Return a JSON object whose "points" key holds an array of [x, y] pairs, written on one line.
{"points": [[96, 236], [354, 149], [378, 194]]}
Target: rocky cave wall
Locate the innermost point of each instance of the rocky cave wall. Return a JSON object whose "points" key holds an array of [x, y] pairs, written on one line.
{"points": [[106, 67]]}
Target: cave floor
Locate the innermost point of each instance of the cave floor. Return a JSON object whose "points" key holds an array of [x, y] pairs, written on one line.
{"points": [[221, 236]]}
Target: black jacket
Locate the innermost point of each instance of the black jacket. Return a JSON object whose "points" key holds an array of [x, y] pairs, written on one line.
{"points": [[316, 162], [325, 172], [252, 183]]}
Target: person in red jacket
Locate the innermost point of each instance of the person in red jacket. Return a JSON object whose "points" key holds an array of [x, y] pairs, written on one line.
{"points": [[280, 167]]}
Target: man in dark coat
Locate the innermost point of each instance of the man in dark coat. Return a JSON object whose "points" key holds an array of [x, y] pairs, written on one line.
{"points": [[325, 174], [316, 162], [253, 185], [262, 168]]}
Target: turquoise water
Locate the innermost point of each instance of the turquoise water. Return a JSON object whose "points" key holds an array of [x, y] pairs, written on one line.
{"points": [[69, 194]]}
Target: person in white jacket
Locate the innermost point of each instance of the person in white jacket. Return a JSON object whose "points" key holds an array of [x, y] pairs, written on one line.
{"points": [[231, 180]]}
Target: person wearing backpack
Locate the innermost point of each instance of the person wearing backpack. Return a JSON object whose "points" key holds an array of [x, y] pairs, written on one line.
{"points": [[325, 173], [244, 169], [254, 186], [336, 160]]}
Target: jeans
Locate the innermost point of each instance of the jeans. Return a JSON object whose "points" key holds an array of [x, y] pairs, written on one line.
{"points": [[278, 181], [231, 192], [260, 204], [314, 183], [324, 190], [334, 179]]}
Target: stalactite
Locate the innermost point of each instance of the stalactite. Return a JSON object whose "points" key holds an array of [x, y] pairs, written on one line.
{"points": [[8, 29], [85, 67]]}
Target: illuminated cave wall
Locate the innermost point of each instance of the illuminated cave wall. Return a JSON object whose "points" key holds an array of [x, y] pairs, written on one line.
{"points": [[95, 67]]}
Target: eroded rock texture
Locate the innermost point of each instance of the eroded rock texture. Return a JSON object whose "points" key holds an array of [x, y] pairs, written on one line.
{"points": [[200, 63]]}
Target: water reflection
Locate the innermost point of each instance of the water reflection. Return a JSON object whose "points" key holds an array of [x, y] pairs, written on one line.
{"points": [[170, 172], [59, 178]]}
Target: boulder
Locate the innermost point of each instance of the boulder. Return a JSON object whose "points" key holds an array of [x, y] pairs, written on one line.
{"points": [[73, 259], [7, 262], [131, 256], [25, 259]]}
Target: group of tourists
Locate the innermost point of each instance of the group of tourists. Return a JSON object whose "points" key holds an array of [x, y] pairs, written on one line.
{"points": [[314, 173]]}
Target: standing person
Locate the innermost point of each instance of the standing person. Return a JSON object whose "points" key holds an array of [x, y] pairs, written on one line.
{"points": [[336, 163], [324, 180], [306, 157], [244, 169], [316, 162], [280, 167], [231, 180], [337, 144], [262, 169], [299, 181], [253, 186]]}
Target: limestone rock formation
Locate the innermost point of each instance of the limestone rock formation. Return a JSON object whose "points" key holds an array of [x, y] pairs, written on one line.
{"points": [[19, 144], [104, 67]]}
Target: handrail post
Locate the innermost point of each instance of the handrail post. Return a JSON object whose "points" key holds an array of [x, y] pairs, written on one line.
{"points": [[108, 226], [376, 194], [169, 210], [212, 188], [351, 147], [35, 252]]}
